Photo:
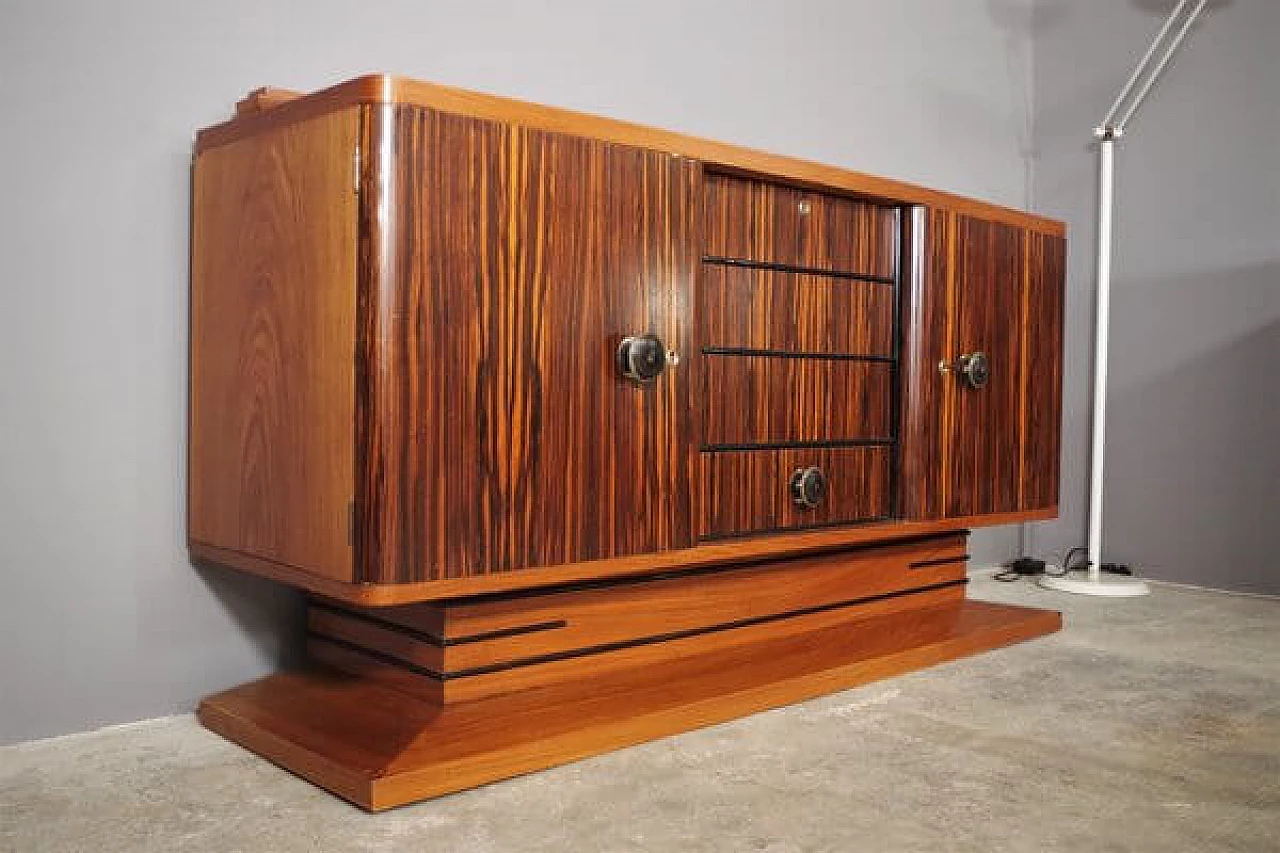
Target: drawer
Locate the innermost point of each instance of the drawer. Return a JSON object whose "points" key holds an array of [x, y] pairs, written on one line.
{"points": [[748, 400], [759, 309], [757, 221], [749, 491]]}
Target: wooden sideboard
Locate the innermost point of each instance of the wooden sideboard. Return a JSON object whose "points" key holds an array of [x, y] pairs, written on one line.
{"points": [[579, 433]]}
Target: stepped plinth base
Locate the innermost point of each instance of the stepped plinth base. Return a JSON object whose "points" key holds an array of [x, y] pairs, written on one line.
{"points": [[379, 746]]}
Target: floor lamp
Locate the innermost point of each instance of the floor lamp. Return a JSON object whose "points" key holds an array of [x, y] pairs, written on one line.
{"points": [[1108, 133]]}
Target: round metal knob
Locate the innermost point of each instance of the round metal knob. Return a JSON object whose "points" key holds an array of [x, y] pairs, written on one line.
{"points": [[974, 368], [642, 358], [808, 487]]}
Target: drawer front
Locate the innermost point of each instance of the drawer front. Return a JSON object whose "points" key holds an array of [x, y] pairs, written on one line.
{"points": [[740, 308], [749, 491], [751, 400], [750, 220]]}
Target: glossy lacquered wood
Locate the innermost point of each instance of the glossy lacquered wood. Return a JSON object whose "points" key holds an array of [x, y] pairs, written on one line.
{"points": [[408, 301], [765, 400], [498, 433], [378, 747], [1042, 348], [984, 464], [611, 610], [706, 553], [979, 286], [769, 222], [927, 340], [273, 308], [755, 310], [498, 265], [385, 89], [471, 647], [523, 675], [748, 491]]}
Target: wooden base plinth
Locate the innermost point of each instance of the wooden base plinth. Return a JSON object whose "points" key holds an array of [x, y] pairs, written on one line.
{"points": [[379, 746], [472, 648]]}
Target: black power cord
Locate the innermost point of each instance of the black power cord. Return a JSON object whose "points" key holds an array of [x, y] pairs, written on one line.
{"points": [[1025, 567]]}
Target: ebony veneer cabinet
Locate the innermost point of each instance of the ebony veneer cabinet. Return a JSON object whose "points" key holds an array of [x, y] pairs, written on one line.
{"points": [[543, 408]]}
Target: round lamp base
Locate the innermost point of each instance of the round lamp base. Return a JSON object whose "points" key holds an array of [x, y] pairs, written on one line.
{"points": [[1107, 587]]}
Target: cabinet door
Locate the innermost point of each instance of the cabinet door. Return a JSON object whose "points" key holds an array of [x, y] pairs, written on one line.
{"points": [[501, 435], [981, 445], [984, 463]]}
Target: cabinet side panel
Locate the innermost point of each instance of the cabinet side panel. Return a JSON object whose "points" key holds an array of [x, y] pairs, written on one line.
{"points": [[926, 340], [272, 346], [1042, 370]]}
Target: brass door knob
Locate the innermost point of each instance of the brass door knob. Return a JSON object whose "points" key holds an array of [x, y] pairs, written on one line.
{"points": [[974, 368], [808, 487], [642, 358]]}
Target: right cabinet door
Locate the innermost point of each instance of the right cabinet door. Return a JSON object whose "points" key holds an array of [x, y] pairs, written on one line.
{"points": [[983, 347]]}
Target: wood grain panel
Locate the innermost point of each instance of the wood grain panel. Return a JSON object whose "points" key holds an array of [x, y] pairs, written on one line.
{"points": [[1042, 344], [772, 223], [433, 189], [707, 553], [742, 308], [720, 595], [499, 435], [379, 747], [748, 490], [383, 89], [762, 400], [501, 680], [503, 630], [273, 296], [984, 463], [926, 340]]}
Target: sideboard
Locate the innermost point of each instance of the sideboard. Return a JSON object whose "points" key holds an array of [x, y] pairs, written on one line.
{"points": [[578, 433]]}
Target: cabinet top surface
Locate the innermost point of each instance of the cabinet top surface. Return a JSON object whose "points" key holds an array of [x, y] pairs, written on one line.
{"points": [[267, 108]]}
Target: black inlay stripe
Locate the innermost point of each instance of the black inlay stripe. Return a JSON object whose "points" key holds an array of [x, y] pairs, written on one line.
{"points": [[693, 632], [499, 633], [627, 644], [382, 657], [786, 353], [696, 571], [799, 270], [941, 561], [442, 642], [799, 445]]}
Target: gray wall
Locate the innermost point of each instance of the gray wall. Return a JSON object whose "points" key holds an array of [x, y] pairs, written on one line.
{"points": [[103, 617], [1194, 402]]}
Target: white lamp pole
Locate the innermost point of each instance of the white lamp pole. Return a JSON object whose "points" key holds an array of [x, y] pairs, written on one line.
{"points": [[1107, 134]]}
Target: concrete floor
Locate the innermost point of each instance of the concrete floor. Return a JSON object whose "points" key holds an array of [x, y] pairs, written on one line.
{"points": [[1147, 724]]}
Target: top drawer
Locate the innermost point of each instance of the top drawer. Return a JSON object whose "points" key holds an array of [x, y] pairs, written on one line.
{"points": [[752, 220]]}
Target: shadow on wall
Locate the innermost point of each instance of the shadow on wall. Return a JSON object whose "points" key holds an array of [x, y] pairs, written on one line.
{"points": [[1193, 470], [270, 615]]}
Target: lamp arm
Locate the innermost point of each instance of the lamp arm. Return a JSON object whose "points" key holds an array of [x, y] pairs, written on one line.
{"points": [[1111, 129]]}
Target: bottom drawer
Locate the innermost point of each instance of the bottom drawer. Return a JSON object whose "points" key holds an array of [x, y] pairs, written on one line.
{"points": [[750, 491]]}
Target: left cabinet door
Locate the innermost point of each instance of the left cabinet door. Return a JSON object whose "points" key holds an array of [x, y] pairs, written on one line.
{"points": [[505, 267]]}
